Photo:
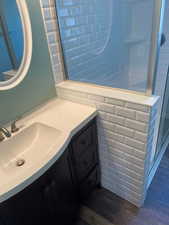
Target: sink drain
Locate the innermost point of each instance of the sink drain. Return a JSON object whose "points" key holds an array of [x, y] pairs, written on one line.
{"points": [[20, 162]]}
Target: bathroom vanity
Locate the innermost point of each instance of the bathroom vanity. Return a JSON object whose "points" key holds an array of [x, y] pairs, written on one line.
{"points": [[55, 191]]}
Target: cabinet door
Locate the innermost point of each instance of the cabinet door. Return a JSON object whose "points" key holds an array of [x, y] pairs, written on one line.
{"points": [[85, 151], [60, 196], [89, 183], [85, 164], [26, 208], [84, 140]]}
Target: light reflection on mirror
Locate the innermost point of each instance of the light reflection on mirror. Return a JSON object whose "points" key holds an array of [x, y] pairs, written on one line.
{"points": [[11, 39]]}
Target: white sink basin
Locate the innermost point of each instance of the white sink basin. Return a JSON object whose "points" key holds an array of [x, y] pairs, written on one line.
{"points": [[27, 147]]}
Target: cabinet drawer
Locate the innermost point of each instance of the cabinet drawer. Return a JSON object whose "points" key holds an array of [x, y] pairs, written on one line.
{"points": [[84, 141], [85, 163]]}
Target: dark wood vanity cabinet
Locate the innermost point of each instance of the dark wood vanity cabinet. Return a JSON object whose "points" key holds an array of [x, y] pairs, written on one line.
{"points": [[54, 197]]}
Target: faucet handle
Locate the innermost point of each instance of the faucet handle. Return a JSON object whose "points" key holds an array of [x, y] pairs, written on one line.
{"points": [[2, 137], [14, 128]]}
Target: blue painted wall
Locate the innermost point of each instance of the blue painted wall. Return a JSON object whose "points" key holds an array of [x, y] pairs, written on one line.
{"points": [[38, 86]]}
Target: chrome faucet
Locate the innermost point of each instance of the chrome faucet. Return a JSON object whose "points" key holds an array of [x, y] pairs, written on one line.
{"points": [[14, 128], [4, 133]]}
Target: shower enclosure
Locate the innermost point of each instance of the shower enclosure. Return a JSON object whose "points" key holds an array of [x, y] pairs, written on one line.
{"points": [[117, 44]]}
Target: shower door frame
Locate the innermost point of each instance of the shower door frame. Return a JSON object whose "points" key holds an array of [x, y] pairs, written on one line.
{"points": [[157, 29]]}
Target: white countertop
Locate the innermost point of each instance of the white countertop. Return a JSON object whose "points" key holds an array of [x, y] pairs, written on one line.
{"points": [[69, 118]]}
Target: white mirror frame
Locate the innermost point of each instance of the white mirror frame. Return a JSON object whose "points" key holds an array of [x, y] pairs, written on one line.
{"points": [[27, 52]]}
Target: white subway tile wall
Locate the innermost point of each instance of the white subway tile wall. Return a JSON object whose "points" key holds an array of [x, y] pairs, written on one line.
{"points": [[50, 19], [124, 144], [125, 129]]}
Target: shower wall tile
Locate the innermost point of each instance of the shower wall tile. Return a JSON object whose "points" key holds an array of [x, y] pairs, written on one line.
{"points": [[86, 31], [49, 15]]}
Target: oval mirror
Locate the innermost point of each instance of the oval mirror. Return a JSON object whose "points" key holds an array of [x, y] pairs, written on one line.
{"points": [[15, 42]]}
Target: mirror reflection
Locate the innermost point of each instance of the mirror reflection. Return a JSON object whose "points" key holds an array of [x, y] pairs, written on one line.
{"points": [[11, 39]]}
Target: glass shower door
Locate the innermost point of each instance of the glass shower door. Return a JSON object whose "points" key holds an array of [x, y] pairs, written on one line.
{"points": [[164, 121]]}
